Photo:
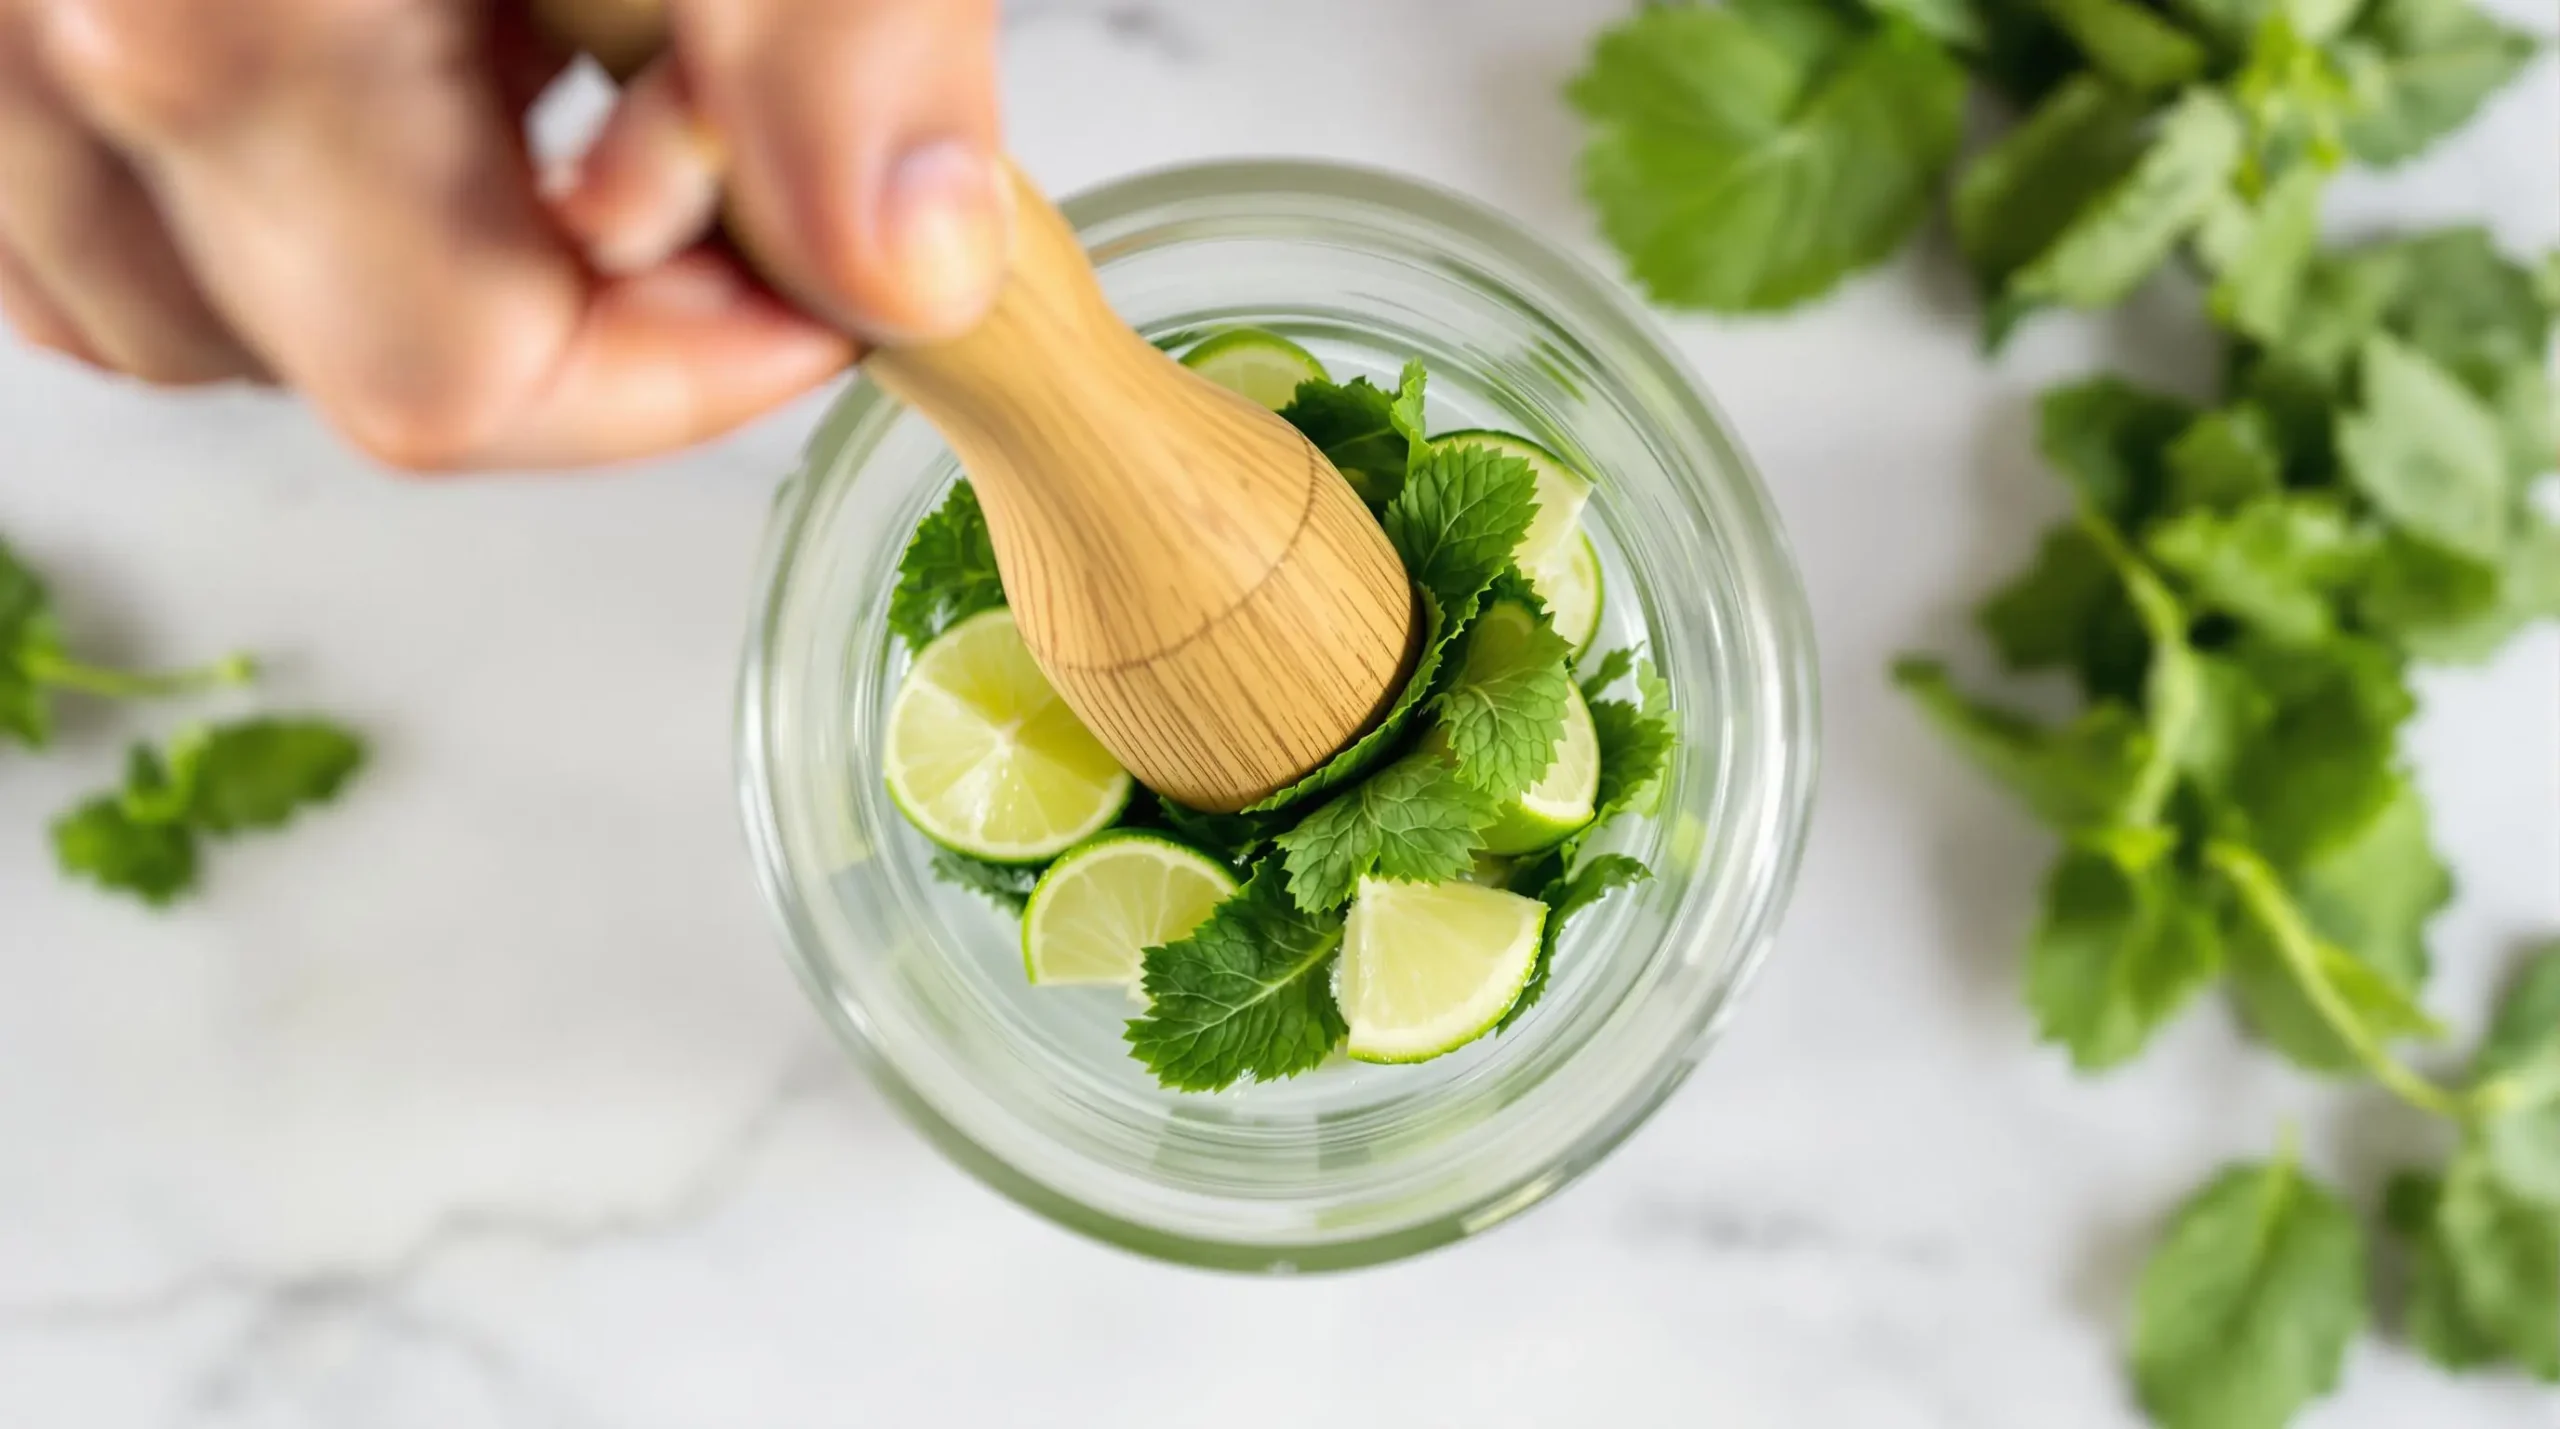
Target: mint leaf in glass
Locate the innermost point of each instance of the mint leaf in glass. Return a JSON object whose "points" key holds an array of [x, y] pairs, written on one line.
{"points": [[1415, 820], [1503, 712], [1247, 995], [948, 572]]}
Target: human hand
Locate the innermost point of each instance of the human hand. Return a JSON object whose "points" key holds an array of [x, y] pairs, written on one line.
{"points": [[335, 194]]}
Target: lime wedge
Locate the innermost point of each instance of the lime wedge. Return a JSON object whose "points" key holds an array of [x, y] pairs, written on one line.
{"points": [[1429, 967], [985, 759], [1263, 366], [1569, 582], [1562, 491], [1563, 799], [1097, 910]]}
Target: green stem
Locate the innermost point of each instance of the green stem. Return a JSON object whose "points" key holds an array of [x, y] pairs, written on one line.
{"points": [[2266, 900], [63, 673]]}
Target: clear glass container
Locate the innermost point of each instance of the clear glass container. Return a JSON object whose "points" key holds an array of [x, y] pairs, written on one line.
{"points": [[1031, 1088]]}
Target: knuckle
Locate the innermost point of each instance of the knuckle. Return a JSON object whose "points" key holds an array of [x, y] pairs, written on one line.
{"points": [[422, 438], [169, 68], [433, 427]]}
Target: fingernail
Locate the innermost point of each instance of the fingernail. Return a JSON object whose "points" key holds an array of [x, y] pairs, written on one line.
{"points": [[947, 231]]}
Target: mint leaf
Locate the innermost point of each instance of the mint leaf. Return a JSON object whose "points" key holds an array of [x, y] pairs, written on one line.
{"points": [[1746, 159], [2326, 763], [1462, 511], [2123, 233], [948, 572], [1951, 22], [2018, 197], [2295, 100], [1415, 820], [253, 774], [2046, 616], [1248, 994], [2305, 996], [2419, 69], [2280, 563], [2260, 253], [2110, 440], [1354, 425], [1566, 895], [2484, 1275], [1407, 415], [1503, 713], [2427, 453], [101, 842], [2232, 713], [2451, 294], [2372, 893], [26, 632], [2125, 942], [257, 773], [1454, 523], [2130, 44], [2442, 607], [2516, 1081], [2245, 1309], [1635, 750], [2224, 460], [2077, 776], [1613, 667], [1005, 885]]}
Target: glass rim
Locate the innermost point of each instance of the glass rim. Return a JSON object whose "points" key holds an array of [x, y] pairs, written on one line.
{"points": [[1601, 315]]}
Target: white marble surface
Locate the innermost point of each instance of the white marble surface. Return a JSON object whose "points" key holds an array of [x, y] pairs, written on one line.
{"points": [[485, 1102]]}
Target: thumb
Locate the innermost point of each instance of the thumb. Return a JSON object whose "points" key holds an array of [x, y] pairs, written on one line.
{"points": [[863, 148]]}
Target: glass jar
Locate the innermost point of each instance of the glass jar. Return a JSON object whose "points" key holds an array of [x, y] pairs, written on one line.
{"points": [[1031, 1088]]}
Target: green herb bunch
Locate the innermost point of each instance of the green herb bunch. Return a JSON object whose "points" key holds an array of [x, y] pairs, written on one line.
{"points": [[1249, 993], [2245, 585], [142, 839]]}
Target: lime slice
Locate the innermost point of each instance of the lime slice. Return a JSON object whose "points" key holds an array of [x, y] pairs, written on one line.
{"points": [[986, 760], [1562, 491], [1429, 967], [1260, 365], [1097, 910], [1563, 799], [1569, 582]]}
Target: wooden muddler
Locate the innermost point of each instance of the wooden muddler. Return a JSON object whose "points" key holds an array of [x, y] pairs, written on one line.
{"points": [[1198, 581]]}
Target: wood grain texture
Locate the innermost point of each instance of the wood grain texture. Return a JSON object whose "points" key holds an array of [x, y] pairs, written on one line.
{"points": [[1204, 589]]}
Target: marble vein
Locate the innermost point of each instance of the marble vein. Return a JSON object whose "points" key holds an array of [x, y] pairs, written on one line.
{"points": [[276, 1294]]}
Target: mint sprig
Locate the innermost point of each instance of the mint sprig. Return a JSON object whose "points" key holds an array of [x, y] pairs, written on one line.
{"points": [[216, 782]]}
